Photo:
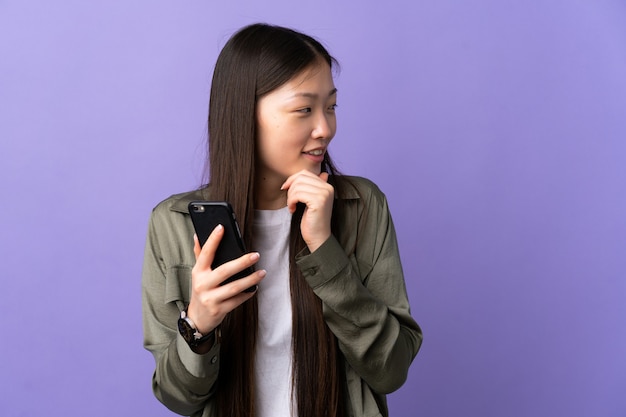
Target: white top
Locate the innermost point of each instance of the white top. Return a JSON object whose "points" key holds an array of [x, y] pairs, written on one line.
{"points": [[273, 350]]}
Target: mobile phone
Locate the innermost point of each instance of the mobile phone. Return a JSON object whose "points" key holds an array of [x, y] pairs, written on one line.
{"points": [[205, 216]]}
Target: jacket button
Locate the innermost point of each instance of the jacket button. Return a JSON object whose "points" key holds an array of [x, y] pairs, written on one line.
{"points": [[214, 359]]}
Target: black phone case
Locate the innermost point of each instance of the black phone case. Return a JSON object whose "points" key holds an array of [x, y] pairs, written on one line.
{"points": [[205, 216]]}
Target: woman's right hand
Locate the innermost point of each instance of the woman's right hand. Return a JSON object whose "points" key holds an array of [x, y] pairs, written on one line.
{"points": [[210, 301]]}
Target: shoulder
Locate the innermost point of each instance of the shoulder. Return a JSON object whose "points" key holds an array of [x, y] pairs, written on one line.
{"points": [[178, 202], [170, 226], [361, 201], [353, 187], [171, 216], [170, 232]]}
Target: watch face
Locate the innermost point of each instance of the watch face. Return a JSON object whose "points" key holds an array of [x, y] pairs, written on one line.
{"points": [[186, 331]]}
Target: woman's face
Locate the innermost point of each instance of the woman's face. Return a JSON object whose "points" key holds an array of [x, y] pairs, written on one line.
{"points": [[295, 124]]}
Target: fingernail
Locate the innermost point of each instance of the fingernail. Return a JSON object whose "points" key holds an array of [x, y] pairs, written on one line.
{"points": [[219, 227], [262, 273], [254, 256]]}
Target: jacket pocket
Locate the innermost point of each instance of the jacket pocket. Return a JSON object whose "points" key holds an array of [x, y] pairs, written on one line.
{"points": [[178, 283]]}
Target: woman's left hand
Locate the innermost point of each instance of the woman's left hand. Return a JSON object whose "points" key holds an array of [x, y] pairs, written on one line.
{"points": [[318, 195]]}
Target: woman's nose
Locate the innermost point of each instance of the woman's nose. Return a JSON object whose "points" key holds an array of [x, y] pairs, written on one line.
{"points": [[324, 126]]}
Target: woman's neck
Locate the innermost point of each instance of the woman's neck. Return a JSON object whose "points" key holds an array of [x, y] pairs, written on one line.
{"points": [[269, 196]]}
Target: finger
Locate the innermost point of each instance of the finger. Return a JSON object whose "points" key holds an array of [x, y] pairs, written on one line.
{"points": [[305, 186], [314, 195], [208, 279], [225, 293], [210, 307], [196, 246], [207, 253], [301, 174], [237, 300], [238, 286], [235, 266], [222, 310]]}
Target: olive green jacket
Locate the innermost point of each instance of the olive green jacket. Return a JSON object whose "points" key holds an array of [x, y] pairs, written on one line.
{"points": [[357, 275]]}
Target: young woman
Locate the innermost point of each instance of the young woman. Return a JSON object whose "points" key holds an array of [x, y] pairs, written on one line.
{"points": [[329, 331]]}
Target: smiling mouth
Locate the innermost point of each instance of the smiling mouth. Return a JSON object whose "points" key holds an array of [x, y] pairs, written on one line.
{"points": [[316, 152]]}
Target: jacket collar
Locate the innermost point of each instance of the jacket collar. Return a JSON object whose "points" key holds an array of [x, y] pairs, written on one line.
{"points": [[181, 201]]}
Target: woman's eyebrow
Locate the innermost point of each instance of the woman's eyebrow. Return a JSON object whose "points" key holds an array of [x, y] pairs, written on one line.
{"points": [[313, 95]]}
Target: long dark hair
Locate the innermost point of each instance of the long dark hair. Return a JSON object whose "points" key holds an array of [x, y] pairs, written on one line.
{"points": [[255, 61]]}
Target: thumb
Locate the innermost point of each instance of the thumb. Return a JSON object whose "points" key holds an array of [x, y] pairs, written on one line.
{"points": [[324, 176]]}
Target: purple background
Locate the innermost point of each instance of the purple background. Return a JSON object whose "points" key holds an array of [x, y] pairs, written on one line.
{"points": [[497, 130]]}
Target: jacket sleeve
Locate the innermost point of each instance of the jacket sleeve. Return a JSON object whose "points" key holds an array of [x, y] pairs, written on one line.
{"points": [[183, 380], [364, 297]]}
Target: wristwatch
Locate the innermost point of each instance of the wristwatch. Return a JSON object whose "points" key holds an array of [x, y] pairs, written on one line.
{"points": [[190, 333]]}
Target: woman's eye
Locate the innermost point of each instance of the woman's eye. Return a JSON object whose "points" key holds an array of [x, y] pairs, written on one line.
{"points": [[333, 107], [305, 110]]}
